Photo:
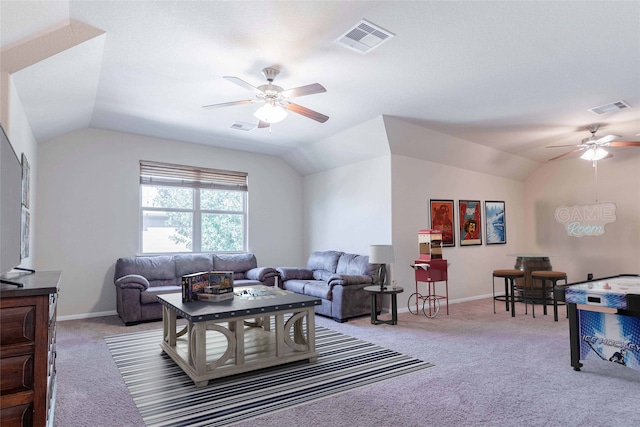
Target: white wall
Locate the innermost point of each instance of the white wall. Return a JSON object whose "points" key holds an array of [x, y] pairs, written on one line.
{"points": [[349, 208], [417, 181], [573, 182], [88, 187]]}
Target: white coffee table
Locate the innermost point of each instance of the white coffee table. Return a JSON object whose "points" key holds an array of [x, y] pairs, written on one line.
{"points": [[235, 336]]}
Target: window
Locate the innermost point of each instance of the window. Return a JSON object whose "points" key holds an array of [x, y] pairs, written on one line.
{"points": [[188, 209]]}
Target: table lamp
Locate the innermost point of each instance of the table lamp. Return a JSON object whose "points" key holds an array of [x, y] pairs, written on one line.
{"points": [[382, 255]]}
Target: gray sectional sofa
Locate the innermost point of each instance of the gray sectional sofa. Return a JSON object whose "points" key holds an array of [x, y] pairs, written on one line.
{"points": [[337, 278], [139, 280]]}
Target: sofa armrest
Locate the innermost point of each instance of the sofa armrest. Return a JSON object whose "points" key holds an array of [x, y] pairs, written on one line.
{"points": [[261, 273], [350, 279], [295, 273], [133, 281]]}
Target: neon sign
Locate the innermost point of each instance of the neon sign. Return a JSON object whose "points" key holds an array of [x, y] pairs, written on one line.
{"points": [[586, 220]]}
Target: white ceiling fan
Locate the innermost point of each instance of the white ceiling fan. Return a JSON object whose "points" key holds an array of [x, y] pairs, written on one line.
{"points": [[274, 99], [595, 146]]}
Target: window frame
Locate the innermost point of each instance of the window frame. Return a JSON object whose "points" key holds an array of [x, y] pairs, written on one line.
{"points": [[195, 185]]}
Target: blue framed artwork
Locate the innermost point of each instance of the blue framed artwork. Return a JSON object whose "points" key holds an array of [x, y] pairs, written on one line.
{"points": [[496, 226]]}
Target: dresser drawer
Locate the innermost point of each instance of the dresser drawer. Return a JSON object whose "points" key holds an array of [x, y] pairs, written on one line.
{"points": [[16, 374], [17, 325], [21, 415]]}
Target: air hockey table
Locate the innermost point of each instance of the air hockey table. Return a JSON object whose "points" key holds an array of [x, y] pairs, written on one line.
{"points": [[604, 320]]}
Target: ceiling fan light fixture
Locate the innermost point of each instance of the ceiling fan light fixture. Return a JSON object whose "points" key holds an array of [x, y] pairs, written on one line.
{"points": [[270, 113], [595, 153]]}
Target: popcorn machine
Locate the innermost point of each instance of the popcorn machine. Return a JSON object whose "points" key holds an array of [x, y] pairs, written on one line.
{"points": [[429, 268]]}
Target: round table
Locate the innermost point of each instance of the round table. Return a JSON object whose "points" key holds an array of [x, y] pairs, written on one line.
{"points": [[393, 292], [529, 262]]}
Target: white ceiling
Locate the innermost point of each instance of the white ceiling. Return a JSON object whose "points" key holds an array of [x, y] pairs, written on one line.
{"points": [[515, 76]]}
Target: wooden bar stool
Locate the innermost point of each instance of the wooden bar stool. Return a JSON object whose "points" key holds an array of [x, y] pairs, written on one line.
{"points": [[509, 288], [553, 277]]}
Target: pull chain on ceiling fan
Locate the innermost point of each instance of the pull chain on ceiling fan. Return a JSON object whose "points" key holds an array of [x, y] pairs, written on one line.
{"points": [[275, 100]]}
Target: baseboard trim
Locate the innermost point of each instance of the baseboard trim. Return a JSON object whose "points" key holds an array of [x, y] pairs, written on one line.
{"points": [[86, 315], [451, 301], [113, 312]]}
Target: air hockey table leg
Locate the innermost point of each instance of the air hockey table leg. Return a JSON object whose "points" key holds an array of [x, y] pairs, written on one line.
{"points": [[574, 336]]}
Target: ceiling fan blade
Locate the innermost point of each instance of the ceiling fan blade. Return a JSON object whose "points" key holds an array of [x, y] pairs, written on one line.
{"points": [[303, 90], [262, 124], [229, 104], [305, 112], [606, 138], [566, 154], [569, 145], [624, 144], [244, 84]]}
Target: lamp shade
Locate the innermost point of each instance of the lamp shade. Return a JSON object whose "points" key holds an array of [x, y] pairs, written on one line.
{"points": [[381, 254], [594, 154], [270, 113]]}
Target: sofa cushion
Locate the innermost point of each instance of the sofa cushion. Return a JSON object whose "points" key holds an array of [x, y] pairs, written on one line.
{"points": [[295, 285], [324, 260], [323, 275], [238, 263], [318, 289], [193, 263], [152, 267], [149, 296], [348, 279], [313, 288], [294, 273], [246, 282], [354, 265]]}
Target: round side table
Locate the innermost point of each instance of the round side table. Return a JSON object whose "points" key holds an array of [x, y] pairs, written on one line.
{"points": [[377, 290]]}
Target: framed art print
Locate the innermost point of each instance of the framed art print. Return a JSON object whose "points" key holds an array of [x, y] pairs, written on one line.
{"points": [[26, 181], [26, 223], [470, 217], [495, 223], [441, 212]]}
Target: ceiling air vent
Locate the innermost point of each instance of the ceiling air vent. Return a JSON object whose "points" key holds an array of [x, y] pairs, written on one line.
{"points": [[364, 37], [243, 126], [610, 108]]}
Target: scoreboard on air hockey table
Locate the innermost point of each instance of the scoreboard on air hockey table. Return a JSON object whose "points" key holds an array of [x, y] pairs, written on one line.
{"points": [[604, 320]]}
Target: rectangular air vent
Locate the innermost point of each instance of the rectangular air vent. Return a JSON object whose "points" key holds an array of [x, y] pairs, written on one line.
{"points": [[243, 126], [610, 108], [363, 37]]}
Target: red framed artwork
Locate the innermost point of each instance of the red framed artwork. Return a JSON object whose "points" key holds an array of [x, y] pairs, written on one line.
{"points": [[470, 217], [441, 212]]}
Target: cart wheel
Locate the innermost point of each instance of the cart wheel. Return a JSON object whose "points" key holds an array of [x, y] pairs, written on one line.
{"points": [[414, 303], [431, 306]]}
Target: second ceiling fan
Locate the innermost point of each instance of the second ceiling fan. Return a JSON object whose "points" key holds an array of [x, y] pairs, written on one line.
{"points": [[595, 146], [275, 99]]}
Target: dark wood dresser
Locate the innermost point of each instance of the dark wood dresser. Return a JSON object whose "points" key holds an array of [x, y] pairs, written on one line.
{"points": [[28, 349]]}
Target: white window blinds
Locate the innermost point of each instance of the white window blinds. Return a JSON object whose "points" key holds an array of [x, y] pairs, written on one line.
{"points": [[170, 175]]}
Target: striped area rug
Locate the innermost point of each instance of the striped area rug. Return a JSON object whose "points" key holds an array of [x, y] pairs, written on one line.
{"points": [[166, 396]]}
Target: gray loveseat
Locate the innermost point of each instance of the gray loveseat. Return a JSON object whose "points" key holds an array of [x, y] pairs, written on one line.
{"points": [[139, 280], [337, 278]]}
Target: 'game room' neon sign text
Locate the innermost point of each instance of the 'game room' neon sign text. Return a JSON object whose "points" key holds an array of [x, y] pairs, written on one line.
{"points": [[586, 220]]}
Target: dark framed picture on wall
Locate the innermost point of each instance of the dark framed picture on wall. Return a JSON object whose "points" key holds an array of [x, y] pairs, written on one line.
{"points": [[470, 217], [441, 212], [495, 222]]}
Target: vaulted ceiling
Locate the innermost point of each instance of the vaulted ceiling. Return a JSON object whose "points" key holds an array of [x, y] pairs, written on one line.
{"points": [[515, 76]]}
